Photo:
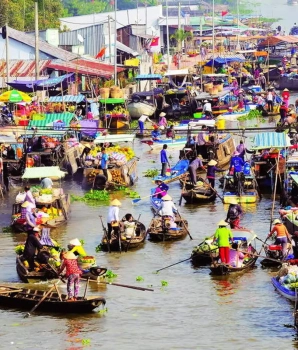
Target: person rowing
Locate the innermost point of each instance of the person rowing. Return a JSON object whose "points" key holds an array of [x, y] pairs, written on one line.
{"points": [[234, 214], [168, 209], [282, 235], [161, 189]]}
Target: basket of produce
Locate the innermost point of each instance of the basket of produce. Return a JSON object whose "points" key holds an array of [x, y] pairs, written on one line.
{"points": [[85, 262]]}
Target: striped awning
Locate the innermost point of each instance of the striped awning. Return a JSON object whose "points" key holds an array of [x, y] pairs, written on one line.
{"points": [[148, 77], [49, 120], [67, 98], [271, 140]]}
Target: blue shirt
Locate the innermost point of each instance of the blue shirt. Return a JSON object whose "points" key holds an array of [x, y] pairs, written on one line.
{"points": [[163, 156], [238, 163], [104, 160]]}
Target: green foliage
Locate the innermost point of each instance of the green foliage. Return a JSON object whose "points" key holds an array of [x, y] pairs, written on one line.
{"points": [[131, 194], [20, 14], [110, 274], [139, 279], [90, 196], [86, 341], [253, 114], [98, 249], [82, 242], [85, 7], [103, 311], [151, 173], [6, 229], [164, 283]]}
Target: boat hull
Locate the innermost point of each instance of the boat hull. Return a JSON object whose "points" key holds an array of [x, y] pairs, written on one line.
{"points": [[289, 294], [137, 109], [158, 233], [246, 198]]}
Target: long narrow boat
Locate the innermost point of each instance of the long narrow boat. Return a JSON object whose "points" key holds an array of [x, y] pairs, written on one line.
{"points": [[158, 229], [206, 252], [224, 269], [177, 172], [126, 244], [285, 292], [199, 193], [154, 201], [23, 298], [243, 191], [159, 143], [47, 273]]}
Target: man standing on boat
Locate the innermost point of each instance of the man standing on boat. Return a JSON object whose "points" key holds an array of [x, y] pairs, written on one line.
{"points": [[193, 167], [164, 160], [223, 235], [234, 214], [143, 118], [202, 139]]}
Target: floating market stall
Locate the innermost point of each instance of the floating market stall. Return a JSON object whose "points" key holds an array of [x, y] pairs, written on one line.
{"points": [[52, 204], [122, 168], [114, 113]]}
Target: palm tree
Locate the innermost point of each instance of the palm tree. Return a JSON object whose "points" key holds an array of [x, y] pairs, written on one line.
{"points": [[180, 36]]}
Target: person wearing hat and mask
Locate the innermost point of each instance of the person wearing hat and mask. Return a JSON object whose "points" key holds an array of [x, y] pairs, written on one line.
{"points": [[234, 213], [27, 214], [282, 235], [73, 273], [168, 208], [207, 109], [162, 123], [161, 189], [75, 246], [193, 167], [143, 118], [223, 235], [211, 170], [32, 243], [113, 217]]}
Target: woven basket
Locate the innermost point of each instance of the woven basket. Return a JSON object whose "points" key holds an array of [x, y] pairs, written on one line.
{"points": [[104, 93]]}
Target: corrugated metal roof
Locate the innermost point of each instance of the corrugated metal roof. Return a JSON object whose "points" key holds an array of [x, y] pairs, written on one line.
{"points": [[278, 39], [271, 140], [23, 68], [52, 51], [98, 65], [93, 39], [67, 98], [126, 49]]}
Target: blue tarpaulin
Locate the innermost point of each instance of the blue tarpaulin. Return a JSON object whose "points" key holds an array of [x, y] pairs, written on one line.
{"points": [[225, 59], [271, 140]]}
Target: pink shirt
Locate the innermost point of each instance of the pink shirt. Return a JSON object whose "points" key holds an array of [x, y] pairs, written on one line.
{"points": [[233, 258]]}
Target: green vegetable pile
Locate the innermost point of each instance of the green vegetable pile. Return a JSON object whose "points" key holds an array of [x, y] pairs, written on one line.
{"points": [[110, 274], [131, 194], [94, 196], [19, 249], [151, 173], [139, 279], [252, 115]]}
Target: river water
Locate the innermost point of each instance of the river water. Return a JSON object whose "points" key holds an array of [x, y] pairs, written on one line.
{"points": [[194, 311]]}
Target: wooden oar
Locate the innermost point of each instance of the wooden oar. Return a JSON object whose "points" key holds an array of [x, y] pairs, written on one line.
{"points": [[105, 234], [185, 226], [218, 195], [261, 256], [179, 262], [125, 286], [11, 291], [134, 230], [41, 300], [183, 188]]}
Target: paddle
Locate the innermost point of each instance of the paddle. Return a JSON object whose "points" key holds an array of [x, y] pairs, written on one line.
{"points": [[41, 300], [261, 256], [214, 190], [105, 234], [183, 188], [179, 262], [136, 200], [134, 229], [185, 226], [125, 286]]}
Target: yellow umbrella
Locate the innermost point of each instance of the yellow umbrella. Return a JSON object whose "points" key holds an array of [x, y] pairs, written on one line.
{"points": [[14, 96]]}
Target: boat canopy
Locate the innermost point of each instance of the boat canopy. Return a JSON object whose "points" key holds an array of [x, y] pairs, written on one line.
{"points": [[42, 172], [7, 139], [67, 98], [271, 140], [225, 59]]}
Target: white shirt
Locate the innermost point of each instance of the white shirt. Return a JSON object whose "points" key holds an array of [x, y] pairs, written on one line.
{"points": [[269, 96], [143, 118], [129, 228], [167, 208], [113, 214], [207, 107]]}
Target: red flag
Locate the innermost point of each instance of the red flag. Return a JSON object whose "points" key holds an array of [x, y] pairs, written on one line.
{"points": [[101, 52], [223, 13], [154, 42]]}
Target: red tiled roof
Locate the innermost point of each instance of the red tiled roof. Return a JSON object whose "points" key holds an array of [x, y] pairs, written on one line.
{"points": [[22, 68], [98, 65], [71, 67]]}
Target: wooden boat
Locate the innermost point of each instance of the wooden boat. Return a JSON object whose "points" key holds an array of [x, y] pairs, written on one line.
{"points": [[25, 298], [159, 143], [285, 292], [58, 204], [48, 273], [114, 114], [223, 269], [274, 252], [206, 252], [154, 201], [136, 242], [158, 229], [138, 106], [200, 193]]}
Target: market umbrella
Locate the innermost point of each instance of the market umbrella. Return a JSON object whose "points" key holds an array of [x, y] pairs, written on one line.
{"points": [[14, 96]]}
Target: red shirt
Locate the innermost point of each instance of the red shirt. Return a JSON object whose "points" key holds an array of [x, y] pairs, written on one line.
{"points": [[71, 266]]}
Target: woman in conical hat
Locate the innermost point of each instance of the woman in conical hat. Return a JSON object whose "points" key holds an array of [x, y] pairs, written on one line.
{"points": [[211, 170], [223, 235]]}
